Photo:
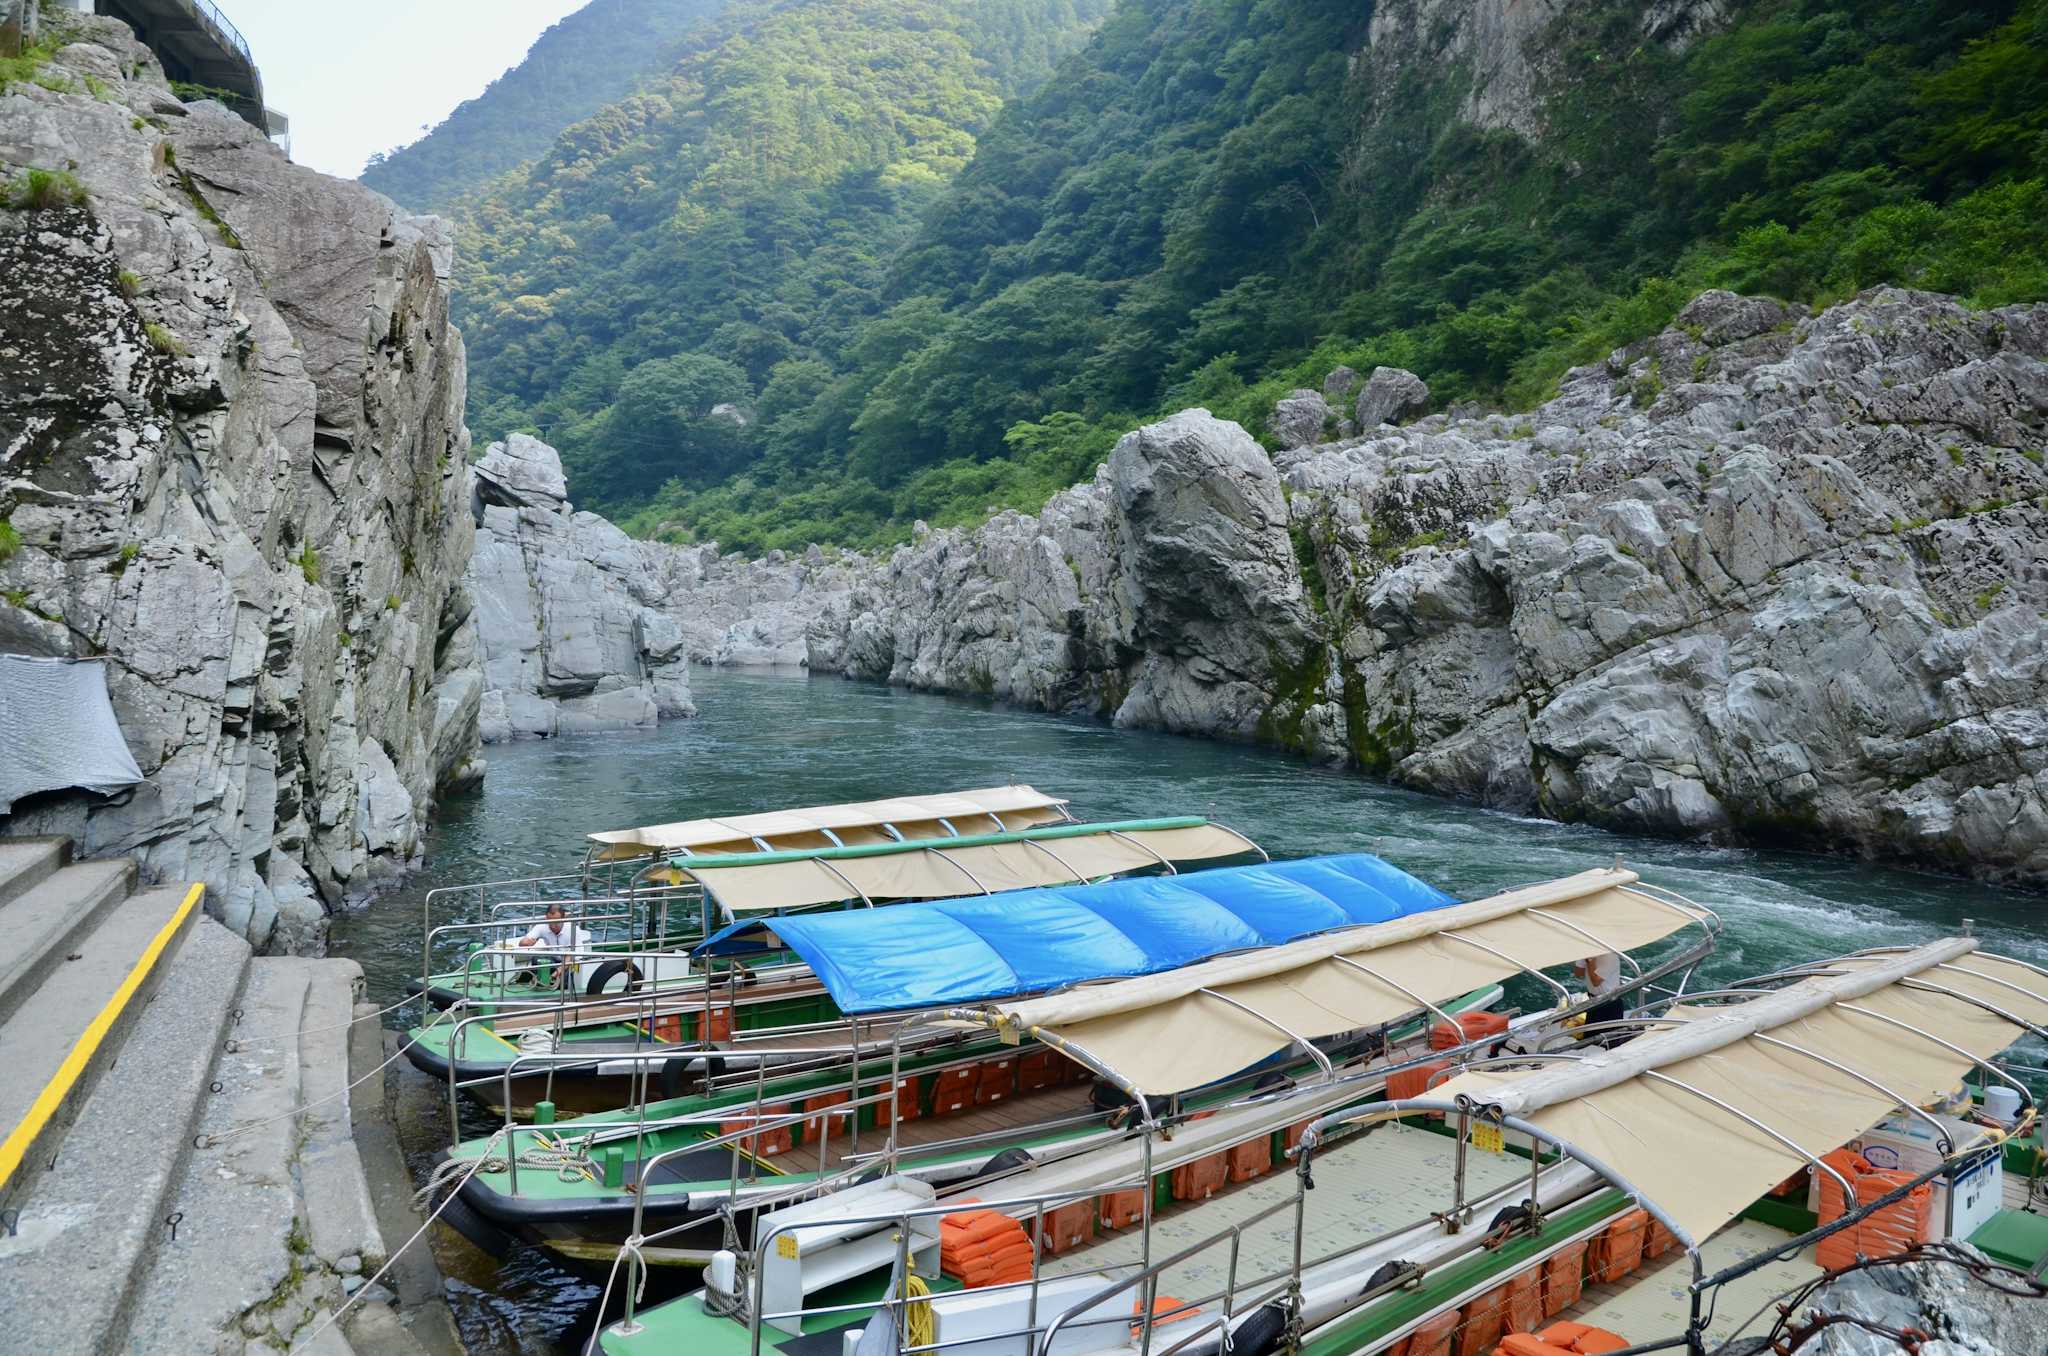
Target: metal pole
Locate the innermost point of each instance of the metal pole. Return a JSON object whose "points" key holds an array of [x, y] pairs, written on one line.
{"points": [[1064, 864], [2019, 989], [1401, 989], [1941, 1137], [976, 880], [1150, 1293], [1848, 1191], [1562, 992], [1171, 870], [760, 1096], [1455, 1220], [1308, 1046], [894, 1102], [2026, 1095], [1597, 941], [1975, 1002]]}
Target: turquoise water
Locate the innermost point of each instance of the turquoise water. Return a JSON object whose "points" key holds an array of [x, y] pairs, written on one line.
{"points": [[771, 740]]}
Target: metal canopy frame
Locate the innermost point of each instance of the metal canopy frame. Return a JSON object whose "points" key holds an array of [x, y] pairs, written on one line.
{"points": [[1569, 1003], [688, 864], [1468, 1106]]}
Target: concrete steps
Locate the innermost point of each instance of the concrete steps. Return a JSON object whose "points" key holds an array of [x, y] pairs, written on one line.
{"points": [[193, 1107], [92, 1223], [56, 1003], [278, 1224], [239, 1197], [26, 861], [46, 923]]}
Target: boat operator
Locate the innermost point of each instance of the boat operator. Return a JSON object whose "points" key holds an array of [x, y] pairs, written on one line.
{"points": [[1602, 975], [564, 941]]}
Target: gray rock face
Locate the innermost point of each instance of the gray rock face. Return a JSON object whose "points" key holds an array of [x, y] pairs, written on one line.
{"points": [[1786, 578], [231, 450], [583, 628], [522, 472], [1392, 395], [1767, 576], [1299, 419], [1164, 594], [1506, 50], [1958, 1314], [566, 608]]}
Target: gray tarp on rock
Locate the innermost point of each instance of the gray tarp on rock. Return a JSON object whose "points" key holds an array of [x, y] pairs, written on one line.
{"points": [[57, 730]]}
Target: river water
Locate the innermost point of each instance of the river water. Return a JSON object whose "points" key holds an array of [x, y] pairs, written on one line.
{"points": [[771, 740]]}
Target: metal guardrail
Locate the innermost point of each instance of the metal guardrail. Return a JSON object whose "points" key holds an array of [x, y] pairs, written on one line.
{"points": [[217, 24]]}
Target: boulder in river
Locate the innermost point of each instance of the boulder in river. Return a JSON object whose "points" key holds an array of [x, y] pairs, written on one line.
{"points": [[570, 638]]}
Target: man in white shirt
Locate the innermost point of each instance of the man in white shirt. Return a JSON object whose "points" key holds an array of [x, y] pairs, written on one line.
{"points": [[1603, 976], [564, 941]]}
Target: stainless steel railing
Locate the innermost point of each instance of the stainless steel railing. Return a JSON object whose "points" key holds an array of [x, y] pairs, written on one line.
{"points": [[217, 24]]}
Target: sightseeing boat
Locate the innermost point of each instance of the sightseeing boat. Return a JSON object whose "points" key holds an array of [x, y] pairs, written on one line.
{"points": [[712, 1010], [1654, 1182], [991, 1100], [630, 894]]}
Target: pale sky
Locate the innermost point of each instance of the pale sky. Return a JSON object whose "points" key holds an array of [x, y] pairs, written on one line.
{"points": [[369, 75]]}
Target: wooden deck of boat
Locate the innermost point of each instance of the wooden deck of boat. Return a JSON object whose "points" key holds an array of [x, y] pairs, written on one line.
{"points": [[1397, 1176], [1653, 1303]]}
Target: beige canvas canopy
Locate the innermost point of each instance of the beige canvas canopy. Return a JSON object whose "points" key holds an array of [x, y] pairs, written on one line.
{"points": [[992, 809], [1183, 1028], [1708, 1113], [942, 869]]}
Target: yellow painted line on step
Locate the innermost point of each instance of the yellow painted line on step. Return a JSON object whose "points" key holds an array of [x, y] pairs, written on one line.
{"points": [[66, 1078]]}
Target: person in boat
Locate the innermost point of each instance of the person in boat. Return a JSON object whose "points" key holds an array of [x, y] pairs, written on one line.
{"points": [[563, 941], [1602, 976]]}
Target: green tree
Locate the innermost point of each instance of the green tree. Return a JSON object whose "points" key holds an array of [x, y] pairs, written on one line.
{"points": [[681, 418]]}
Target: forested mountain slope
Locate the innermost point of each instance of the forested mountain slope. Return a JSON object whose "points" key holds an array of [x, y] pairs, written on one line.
{"points": [[1214, 201], [586, 61], [696, 259]]}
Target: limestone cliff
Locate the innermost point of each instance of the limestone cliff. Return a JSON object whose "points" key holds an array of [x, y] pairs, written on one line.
{"points": [[582, 628], [569, 642], [1768, 575], [1506, 58], [232, 461]]}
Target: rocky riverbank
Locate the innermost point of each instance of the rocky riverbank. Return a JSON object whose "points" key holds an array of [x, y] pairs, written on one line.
{"points": [[583, 628], [232, 462], [1767, 575]]}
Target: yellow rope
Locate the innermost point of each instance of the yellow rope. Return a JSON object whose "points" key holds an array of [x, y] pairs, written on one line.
{"points": [[918, 1322]]}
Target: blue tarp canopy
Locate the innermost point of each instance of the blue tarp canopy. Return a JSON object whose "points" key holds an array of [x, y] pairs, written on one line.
{"points": [[1032, 941]]}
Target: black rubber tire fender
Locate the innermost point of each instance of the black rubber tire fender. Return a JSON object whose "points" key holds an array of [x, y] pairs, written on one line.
{"points": [[610, 971], [1005, 1161], [1385, 1272], [1261, 1333]]}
